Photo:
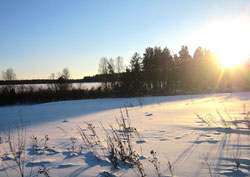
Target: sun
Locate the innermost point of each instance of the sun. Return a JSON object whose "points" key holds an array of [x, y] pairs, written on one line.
{"points": [[234, 42], [228, 39]]}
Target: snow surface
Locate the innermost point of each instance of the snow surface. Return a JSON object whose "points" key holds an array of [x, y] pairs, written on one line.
{"points": [[168, 125]]}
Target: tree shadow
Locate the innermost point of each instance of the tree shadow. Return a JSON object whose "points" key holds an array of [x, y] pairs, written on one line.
{"points": [[91, 162], [228, 169], [222, 130]]}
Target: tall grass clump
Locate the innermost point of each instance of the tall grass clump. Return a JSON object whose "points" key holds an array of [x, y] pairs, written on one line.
{"points": [[120, 144], [73, 141], [90, 141], [223, 120], [16, 144], [117, 145], [155, 162]]}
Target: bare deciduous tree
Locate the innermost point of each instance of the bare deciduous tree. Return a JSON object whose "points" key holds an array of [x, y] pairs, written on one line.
{"points": [[8, 74], [61, 84], [65, 73], [52, 76], [103, 66], [119, 64]]}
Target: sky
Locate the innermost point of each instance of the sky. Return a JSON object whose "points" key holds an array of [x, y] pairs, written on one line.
{"points": [[40, 37]]}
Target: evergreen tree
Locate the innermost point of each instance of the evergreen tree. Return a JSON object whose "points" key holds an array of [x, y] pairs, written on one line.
{"points": [[135, 63], [135, 76]]}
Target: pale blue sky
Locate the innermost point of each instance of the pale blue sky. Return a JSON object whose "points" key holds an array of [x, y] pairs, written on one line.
{"points": [[38, 37]]}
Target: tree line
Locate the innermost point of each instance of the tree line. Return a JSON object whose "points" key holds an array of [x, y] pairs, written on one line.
{"points": [[58, 88], [158, 72]]}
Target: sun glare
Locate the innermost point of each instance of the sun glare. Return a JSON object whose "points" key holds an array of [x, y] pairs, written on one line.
{"points": [[228, 39]]}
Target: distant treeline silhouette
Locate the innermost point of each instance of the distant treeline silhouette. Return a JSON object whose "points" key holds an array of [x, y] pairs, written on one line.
{"points": [[46, 81], [156, 72], [58, 88]]}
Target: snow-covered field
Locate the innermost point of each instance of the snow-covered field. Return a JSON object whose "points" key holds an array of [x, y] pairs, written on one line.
{"points": [[167, 125]]}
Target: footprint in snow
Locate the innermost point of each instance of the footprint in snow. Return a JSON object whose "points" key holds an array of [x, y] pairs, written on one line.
{"points": [[140, 142], [65, 166], [205, 141], [212, 141], [142, 158], [217, 133], [37, 164], [148, 114], [105, 173], [205, 135], [164, 139]]}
